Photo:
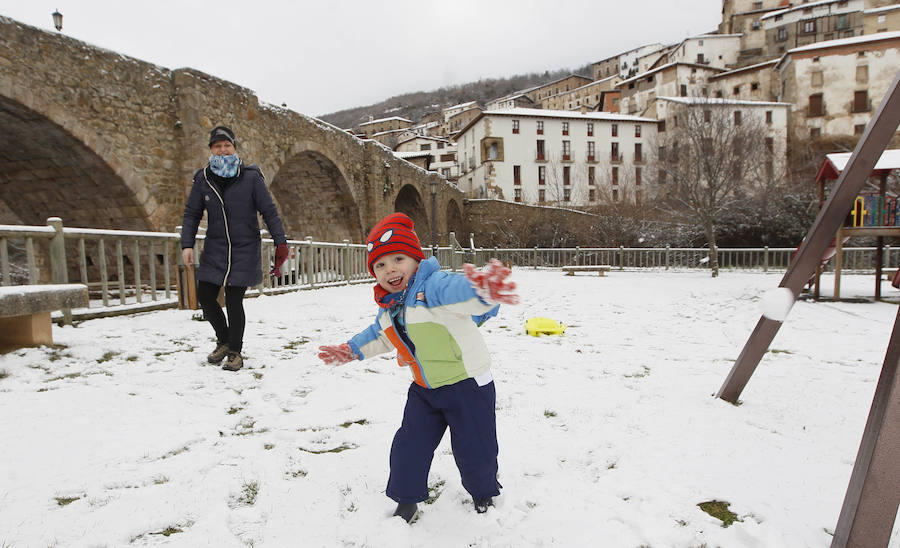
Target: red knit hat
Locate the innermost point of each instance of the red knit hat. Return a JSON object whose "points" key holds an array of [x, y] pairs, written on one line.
{"points": [[393, 234]]}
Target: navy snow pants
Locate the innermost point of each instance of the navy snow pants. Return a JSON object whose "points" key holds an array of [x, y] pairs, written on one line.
{"points": [[468, 409]]}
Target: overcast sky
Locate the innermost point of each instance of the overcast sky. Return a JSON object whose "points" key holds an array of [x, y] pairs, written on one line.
{"points": [[320, 57]]}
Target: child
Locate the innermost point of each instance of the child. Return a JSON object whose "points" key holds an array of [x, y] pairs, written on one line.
{"points": [[432, 317]]}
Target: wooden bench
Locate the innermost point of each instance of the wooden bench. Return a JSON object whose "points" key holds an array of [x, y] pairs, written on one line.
{"points": [[25, 311], [600, 269]]}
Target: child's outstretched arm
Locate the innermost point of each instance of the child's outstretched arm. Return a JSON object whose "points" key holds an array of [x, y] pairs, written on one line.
{"points": [[336, 354], [491, 283]]}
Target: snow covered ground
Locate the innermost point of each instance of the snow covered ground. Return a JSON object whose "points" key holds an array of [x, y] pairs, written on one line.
{"points": [[609, 435]]}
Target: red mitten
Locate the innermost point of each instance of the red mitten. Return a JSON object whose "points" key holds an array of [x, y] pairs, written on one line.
{"points": [[491, 283], [281, 255], [336, 355]]}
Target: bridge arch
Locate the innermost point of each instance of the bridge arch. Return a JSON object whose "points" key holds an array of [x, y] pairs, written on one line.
{"points": [[409, 201], [455, 224], [50, 168], [315, 197]]}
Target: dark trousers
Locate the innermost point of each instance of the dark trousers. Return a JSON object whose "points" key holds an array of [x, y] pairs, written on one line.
{"points": [[468, 409], [230, 332]]}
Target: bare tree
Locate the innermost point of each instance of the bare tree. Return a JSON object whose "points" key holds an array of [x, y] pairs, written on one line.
{"points": [[711, 158]]}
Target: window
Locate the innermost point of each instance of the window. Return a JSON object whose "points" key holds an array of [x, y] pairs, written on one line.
{"points": [[591, 178], [445, 171], [517, 194], [615, 130], [816, 108], [592, 195], [858, 129], [757, 5], [781, 35], [540, 127], [567, 175], [700, 59], [565, 128], [448, 157], [815, 132], [637, 176], [590, 152], [737, 117], [861, 101], [566, 151], [754, 86], [615, 195], [842, 22], [707, 116], [567, 194], [770, 145], [755, 25], [683, 90], [809, 27], [542, 195], [661, 176], [637, 130], [615, 175], [768, 116], [425, 147], [614, 152], [492, 151], [590, 129], [440, 145], [542, 175], [515, 128], [816, 79], [638, 157], [862, 74], [517, 175], [540, 150]]}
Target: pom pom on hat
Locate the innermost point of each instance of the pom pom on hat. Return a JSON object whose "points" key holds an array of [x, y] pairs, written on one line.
{"points": [[393, 234]]}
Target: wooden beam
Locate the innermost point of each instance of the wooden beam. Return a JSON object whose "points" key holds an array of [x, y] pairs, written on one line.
{"points": [[869, 149], [870, 505]]}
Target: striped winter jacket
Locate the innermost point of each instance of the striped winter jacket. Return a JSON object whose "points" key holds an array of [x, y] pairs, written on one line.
{"points": [[442, 313]]}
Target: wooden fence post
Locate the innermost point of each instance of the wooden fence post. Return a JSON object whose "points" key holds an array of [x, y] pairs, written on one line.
{"points": [[58, 272]]}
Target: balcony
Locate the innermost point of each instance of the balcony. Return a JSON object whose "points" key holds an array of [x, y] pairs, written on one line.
{"points": [[566, 157], [540, 157], [615, 159], [638, 159], [591, 159]]}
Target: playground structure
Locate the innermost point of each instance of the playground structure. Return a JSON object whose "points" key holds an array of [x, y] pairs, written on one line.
{"points": [[874, 212], [873, 494]]}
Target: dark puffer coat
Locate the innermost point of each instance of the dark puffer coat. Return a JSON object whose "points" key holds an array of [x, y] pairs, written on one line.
{"points": [[232, 248]]}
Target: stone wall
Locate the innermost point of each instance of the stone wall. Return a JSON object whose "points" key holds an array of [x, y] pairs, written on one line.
{"points": [[497, 223]]}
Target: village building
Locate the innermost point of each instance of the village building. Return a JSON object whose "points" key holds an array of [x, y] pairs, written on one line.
{"points": [[555, 87], [515, 100], [812, 22], [587, 96], [770, 116], [440, 153], [744, 17], [834, 86], [757, 82], [382, 125], [460, 119], [671, 80], [566, 158], [713, 50], [882, 19], [625, 64], [609, 101]]}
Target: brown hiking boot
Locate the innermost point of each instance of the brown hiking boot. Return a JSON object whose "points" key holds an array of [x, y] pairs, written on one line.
{"points": [[234, 361], [218, 354]]}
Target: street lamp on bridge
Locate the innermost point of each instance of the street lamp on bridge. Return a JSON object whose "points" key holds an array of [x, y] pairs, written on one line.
{"points": [[57, 20], [433, 217]]}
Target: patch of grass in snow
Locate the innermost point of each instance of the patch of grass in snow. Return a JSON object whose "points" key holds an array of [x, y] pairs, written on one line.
{"points": [[131, 358], [434, 491], [233, 409], [348, 424], [719, 510], [63, 501], [107, 356], [56, 353], [294, 344], [257, 376], [338, 449], [170, 530], [159, 480], [160, 354], [779, 351], [198, 317], [62, 377], [268, 446], [299, 473], [175, 452], [3, 374], [549, 413], [645, 371], [248, 495]]}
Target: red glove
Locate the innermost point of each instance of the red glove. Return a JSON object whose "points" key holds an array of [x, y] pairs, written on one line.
{"points": [[491, 283], [281, 255], [336, 355]]}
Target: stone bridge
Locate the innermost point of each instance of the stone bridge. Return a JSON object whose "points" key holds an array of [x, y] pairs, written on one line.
{"points": [[108, 141]]}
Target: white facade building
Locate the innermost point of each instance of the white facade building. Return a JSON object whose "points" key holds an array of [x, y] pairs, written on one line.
{"points": [[714, 50], [441, 152], [537, 156]]}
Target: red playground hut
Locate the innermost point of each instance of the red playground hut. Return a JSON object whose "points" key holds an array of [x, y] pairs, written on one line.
{"points": [[874, 213]]}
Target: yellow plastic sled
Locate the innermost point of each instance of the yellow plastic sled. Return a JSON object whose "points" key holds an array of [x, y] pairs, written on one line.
{"points": [[544, 326]]}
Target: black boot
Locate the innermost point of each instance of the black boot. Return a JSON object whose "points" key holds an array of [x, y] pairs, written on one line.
{"points": [[481, 505], [407, 511]]}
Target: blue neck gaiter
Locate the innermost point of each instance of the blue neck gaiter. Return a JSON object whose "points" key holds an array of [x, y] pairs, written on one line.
{"points": [[224, 166]]}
